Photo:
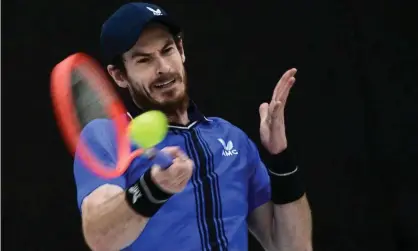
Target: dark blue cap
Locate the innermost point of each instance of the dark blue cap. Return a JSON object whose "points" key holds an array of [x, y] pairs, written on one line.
{"points": [[122, 29]]}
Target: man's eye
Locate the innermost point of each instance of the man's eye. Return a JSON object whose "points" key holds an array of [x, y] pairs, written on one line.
{"points": [[143, 60], [168, 49]]}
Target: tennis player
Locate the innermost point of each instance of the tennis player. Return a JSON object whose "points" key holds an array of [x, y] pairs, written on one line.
{"points": [[217, 187]]}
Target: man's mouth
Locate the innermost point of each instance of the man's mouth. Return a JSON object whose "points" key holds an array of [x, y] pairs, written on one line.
{"points": [[165, 84]]}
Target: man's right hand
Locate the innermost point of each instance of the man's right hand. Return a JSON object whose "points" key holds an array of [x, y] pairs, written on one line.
{"points": [[173, 179]]}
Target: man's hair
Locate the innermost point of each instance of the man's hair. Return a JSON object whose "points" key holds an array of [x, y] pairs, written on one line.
{"points": [[119, 63]]}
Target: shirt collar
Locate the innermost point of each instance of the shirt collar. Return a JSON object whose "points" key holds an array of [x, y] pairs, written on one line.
{"points": [[195, 117]]}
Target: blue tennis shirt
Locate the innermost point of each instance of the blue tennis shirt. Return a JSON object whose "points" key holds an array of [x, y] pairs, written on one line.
{"points": [[228, 183]]}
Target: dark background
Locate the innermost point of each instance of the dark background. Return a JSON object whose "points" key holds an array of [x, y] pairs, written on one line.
{"points": [[352, 115]]}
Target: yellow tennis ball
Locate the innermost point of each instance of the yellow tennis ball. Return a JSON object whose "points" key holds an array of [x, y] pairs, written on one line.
{"points": [[148, 129]]}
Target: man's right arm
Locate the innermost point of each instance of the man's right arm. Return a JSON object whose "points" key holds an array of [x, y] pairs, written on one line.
{"points": [[115, 213], [109, 223]]}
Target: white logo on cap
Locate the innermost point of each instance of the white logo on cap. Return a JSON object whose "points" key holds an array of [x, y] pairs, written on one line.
{"points": [[156, 12]]}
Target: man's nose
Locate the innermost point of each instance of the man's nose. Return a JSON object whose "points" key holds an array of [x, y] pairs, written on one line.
{"points": [[162, 66]]}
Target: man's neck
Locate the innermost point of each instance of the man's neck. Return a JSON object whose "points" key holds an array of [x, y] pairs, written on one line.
{"points": [[179, 117]]}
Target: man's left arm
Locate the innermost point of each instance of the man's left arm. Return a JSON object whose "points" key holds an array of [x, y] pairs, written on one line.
{"points": [[279, 217]]}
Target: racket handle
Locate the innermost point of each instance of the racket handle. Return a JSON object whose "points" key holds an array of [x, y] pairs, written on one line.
{"points": [[159, 158]]}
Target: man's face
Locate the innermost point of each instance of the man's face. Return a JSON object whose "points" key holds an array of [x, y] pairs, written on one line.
{"points": [[155, 74]]}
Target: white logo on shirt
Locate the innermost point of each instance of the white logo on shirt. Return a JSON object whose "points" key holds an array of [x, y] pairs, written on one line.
{"points": [[228, 148]]}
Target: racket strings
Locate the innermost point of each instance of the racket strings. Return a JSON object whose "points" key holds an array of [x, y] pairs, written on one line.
{"points": [[81, 93], [88, 103]]}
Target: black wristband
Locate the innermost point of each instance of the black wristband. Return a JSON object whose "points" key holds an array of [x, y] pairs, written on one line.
{"points": [[285, 178], [145, 197]]}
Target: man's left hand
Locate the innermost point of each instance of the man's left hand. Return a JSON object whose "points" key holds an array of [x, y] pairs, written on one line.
{"points": [[272, 127]]}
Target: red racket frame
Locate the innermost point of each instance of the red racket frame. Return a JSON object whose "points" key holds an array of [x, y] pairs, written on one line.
{"points": [[62, 100]]}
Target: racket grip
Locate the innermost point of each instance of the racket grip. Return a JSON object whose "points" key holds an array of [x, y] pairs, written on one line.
{"points": [[159, 158]]}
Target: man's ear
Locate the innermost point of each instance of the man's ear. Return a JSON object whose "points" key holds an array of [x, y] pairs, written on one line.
{"points": [[118, 76], [181, 49]]}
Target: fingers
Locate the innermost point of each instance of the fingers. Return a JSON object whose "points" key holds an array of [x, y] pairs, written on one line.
{"points": [[179, 159], [290, 73], [285, 94], [180, 172], [174, 151], [263, 110], [175, 178], [270, 111], [274, 109], [284, 85]]}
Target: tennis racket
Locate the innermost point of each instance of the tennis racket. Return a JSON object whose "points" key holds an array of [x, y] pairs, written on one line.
{"points": [[81, 93]]}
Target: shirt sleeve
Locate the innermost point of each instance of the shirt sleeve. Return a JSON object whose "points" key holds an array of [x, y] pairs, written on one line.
{"points": [[259, 190], [99, 137]]}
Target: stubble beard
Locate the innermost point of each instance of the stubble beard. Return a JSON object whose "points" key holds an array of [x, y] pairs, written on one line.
{"points": [[144, 101]]}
